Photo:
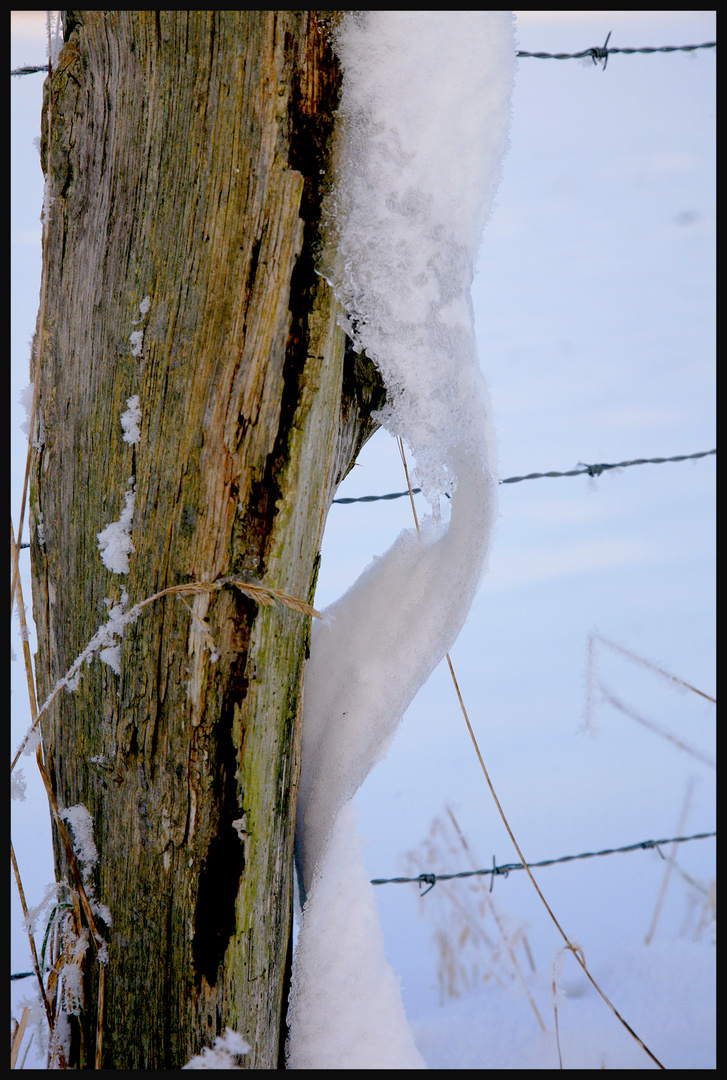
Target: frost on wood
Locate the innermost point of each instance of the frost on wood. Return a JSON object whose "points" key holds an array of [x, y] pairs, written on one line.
{"points": [[423, 127], [130, 421], [84, 845], [114, 541], [222, 1056], [136, 337]]}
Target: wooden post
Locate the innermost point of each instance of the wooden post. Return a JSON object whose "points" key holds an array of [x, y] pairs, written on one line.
{"points": [[186, 162]]}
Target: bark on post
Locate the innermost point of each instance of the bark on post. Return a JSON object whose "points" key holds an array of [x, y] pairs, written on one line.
{"points": [[186, 160]]}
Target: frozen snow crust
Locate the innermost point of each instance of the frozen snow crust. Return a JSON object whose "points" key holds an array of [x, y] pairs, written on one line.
{"points": [[424, 116]]}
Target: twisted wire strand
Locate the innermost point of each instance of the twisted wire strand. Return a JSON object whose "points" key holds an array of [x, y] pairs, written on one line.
{"points": [[587, 470], [597, 54], [504, 870]]}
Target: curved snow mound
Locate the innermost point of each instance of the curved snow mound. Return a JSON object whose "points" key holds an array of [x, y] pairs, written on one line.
{"points": [[423, 123], [378, 645]]}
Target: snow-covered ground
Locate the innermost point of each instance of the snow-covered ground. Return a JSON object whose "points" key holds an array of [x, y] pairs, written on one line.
{"points": [[666, 991], [594, 310]]}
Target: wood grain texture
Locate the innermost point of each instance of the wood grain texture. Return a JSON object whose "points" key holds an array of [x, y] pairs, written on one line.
{"points": [[185, 164]]}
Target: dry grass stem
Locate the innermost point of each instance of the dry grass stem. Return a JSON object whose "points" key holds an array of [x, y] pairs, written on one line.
{"points": [[467, 955], [262, 594], [17, 588], [39, 341], [100, 1015], [20, 607], [573, 948], [31, 939], [498, 921], [267, 597], [408, 482], [18, 1036], [651, 666], [656, 728], [670, 863], [68, 846], [557, 1032]]}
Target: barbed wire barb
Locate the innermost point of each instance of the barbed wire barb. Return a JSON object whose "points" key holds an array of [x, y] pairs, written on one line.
{"points": [[596, 54]]}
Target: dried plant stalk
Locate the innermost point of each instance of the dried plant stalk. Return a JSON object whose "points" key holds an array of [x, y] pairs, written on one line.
{"points": [[262, 594]]}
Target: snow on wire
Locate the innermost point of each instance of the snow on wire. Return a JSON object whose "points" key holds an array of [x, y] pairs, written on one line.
{"points": [[590, 470], [432, 879]]}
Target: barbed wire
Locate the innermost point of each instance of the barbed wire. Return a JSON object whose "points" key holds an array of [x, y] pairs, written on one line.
{"points": [[587, 470], [29, 69], [596, 470], [503, 871], [604, 52], [596, 54]]}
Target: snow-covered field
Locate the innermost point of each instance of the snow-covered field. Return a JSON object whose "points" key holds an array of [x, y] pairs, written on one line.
{"points": [[666, 992]]}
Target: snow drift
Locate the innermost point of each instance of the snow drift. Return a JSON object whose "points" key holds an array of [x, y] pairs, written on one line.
{"points": [[423, 128]]}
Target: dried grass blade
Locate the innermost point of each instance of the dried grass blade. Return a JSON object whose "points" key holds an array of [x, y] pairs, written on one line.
{"points": [[573, 948], [266, 596], [262, 594], [31, 939], [18, 1036]]}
